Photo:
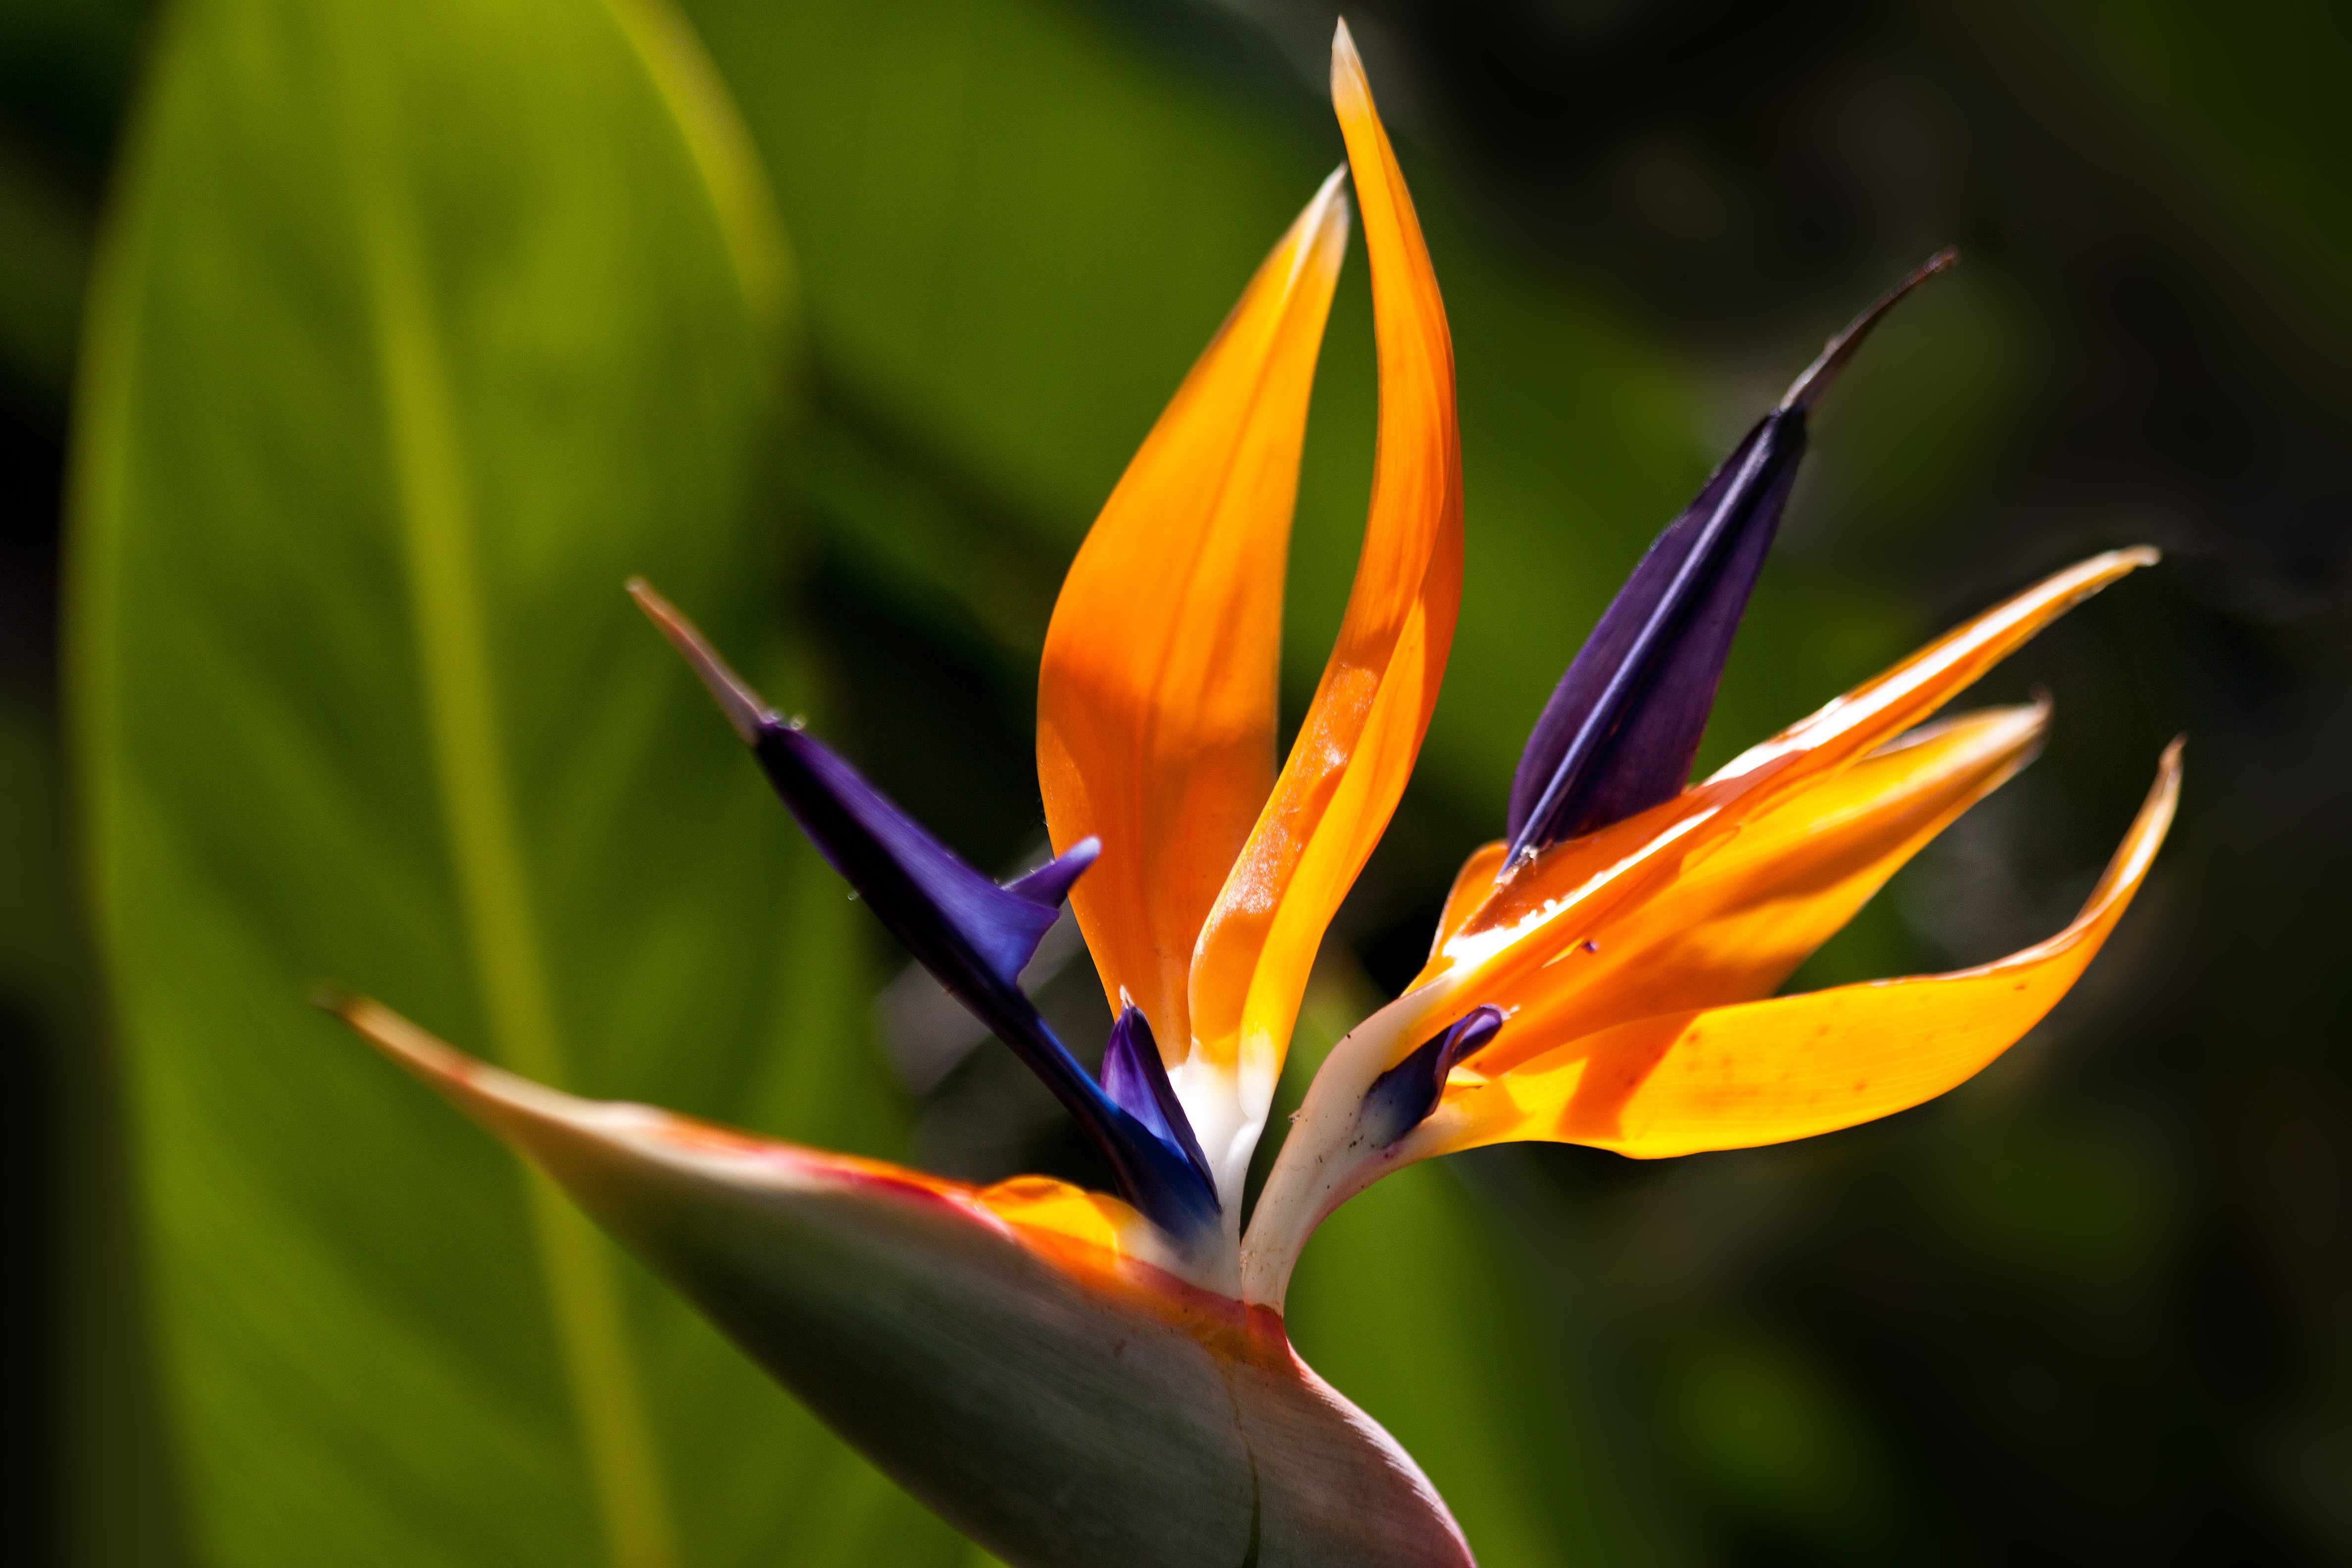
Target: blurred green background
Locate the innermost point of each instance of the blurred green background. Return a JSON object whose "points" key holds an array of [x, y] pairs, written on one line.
{"points": [[368, 346]]}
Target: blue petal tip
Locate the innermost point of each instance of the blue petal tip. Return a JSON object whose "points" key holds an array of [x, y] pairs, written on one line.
{"points": [[1401, 1098], [974, 936], [1137, 1081], [1050, 884]]}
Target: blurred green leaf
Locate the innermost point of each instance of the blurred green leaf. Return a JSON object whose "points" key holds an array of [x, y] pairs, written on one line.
{"points": [[41, 981], [104, 1486], [1773, 1438], [66, 67], [43, 251], [418, 327], [2260, 96], [1016, 231]]}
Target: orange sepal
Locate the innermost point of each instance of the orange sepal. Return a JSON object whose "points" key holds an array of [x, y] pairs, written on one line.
{"points": [[1765, 1072], [1156, 691], [1737, 923], [1572, 888], [1364, 728]]}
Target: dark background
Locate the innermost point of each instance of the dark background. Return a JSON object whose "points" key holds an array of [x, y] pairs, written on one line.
{"points": [[2102, 1310]]}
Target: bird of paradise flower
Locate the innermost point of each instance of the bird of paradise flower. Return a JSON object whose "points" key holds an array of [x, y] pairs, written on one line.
{"points": [[1075, 1377]]}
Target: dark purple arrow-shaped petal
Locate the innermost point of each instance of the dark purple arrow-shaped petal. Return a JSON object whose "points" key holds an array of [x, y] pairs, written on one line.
{"points": [[1134, 1076], [1402, 1097], [1621, 727], [971, 934]]}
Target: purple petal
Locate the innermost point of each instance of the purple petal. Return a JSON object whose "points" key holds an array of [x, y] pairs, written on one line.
{"points": [[973, 935], [1001, 926], [1621, 727], [1401, 1097], [1050, 884], [1137, 1080]]}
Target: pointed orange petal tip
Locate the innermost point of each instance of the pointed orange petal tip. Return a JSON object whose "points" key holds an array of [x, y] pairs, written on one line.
{"points": [[1063, 1406], [1587, 877], [1351, 92], [1153, 734], [1358, 740], [1733, 926], [1885, 705], [1795, 1067]]}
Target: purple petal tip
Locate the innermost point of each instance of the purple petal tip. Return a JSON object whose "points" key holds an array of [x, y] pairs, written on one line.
{"points": [[1622, 728], [974, 936], [1050, 884], [1840, 350], [1401, 1098], [1137, 1081], [744, 707]]}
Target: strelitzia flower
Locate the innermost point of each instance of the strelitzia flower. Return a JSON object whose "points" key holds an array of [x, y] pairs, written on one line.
{"points": [[1080, 1378]]}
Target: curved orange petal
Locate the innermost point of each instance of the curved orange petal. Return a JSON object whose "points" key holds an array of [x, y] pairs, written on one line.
{"points": [[1740, 921], [1764, 1072], [1880, 709], [1364, 728], [1564, 893], [1156, 692]]}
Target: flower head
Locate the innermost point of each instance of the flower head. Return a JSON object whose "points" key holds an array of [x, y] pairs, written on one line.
{"points": [[1079, 1378]]}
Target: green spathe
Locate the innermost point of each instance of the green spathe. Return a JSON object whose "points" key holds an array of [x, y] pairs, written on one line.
{"points": [[1062, 1416]]}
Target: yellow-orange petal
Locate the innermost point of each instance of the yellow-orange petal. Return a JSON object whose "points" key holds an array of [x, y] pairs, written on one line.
{"points": [[1364, 728], [1764, 1072], [1737, 923], [1880, 709], [1583, 881], [1156, 692]]}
